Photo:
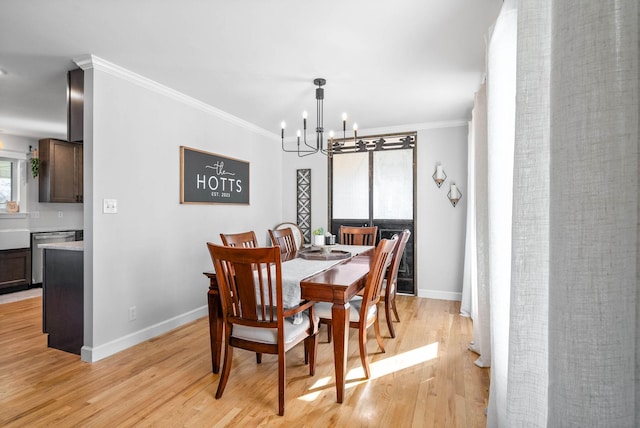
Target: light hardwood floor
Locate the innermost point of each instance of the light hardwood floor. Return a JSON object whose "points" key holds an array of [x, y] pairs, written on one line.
{"points": [[425, 379]]}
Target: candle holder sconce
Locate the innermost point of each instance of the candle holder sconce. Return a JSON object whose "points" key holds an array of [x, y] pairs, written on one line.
{"points": [[454, 195], [439, 176]]}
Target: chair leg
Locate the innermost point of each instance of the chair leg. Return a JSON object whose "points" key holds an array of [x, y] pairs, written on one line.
{"points": [[226, 369], [376, 328], [387, 311], [281, 383], [329, 333], [258, 357], [311, 352], [395, 308], [362, 339]]}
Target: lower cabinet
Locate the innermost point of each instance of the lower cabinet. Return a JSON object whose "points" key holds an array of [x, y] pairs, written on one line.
{"points": [[62, 299], [15, 268]]}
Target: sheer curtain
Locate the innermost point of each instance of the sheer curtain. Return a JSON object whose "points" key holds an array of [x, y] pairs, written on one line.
{"points": [[528, 351], [570, 313], [475, 289]]}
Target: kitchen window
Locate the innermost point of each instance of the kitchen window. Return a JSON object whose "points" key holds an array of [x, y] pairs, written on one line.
{"points": [[12, 187], [7, 188]]}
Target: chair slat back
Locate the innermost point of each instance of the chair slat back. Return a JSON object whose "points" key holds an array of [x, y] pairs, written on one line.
{"points": [[366, 235], [398, 251], [373, 287], [298, 235], [242, 239], [250, 284], [284, 239]]}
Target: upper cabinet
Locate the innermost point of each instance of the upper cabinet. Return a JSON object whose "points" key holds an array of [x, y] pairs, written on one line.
{"points": [[75, 105], [60, 171]]}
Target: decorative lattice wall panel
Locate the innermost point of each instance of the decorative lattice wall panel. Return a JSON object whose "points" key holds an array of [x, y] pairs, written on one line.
{"points": [[303, 190]]}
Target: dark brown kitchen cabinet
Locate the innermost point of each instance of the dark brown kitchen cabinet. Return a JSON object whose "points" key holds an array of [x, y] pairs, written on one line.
{"points": [[63, 299], [60, 171], [15, 268], [75, 105]]}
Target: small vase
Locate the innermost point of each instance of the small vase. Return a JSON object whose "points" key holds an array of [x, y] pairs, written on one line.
{"points": [[318, 240]]}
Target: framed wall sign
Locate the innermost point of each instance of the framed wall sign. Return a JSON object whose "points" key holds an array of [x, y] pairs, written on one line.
{"points": [[208, 178]]}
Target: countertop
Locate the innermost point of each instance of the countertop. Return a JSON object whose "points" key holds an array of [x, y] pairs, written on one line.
{"points": [[69, 246]]}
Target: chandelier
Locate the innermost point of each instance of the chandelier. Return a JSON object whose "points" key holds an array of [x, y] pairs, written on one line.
{"points": [[303, 148]]}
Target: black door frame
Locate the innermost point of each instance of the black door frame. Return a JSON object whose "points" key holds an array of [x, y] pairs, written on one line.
{"points": [[386, 228]]}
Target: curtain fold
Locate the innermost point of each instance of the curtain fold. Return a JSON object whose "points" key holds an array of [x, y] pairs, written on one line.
{"points": [[476, 283], [501, 90], [593, 274], [527, 383]]}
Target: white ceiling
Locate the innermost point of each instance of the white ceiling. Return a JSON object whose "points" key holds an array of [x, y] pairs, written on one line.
{"points": [[387, 63]]}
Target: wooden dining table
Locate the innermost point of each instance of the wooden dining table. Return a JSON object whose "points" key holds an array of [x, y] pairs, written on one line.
{"points": [[336, 285]]}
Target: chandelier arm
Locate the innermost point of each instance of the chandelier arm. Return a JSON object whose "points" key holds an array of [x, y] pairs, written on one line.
{"points": [[306, 153], [297, 150], [314, 149], [304, 126]]}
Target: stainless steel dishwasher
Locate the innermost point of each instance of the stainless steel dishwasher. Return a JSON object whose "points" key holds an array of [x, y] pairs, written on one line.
{"points": [[36, 252]]}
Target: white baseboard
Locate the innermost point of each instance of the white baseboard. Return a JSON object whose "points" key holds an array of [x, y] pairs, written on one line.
{"points": [[440, 295], [93, 354]]}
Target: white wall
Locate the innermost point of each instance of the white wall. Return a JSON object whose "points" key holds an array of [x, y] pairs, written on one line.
{"points": [[38, 216], [152, 253], [440, 228]]}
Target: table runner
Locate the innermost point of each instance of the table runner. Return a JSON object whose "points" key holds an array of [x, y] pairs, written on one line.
{"points": [[295, 270]]}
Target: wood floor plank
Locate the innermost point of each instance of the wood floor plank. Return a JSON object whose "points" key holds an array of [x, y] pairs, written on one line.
{"points": [[426, 378]]}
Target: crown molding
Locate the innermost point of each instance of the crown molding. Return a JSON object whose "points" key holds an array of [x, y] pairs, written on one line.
{"points": [[86, 62], [414, 127]]}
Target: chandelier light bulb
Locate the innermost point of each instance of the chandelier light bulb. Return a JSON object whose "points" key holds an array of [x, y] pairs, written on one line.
{"points": [[344, 117], [355, 126], [283, 125], [331, 134], [304, 114]]}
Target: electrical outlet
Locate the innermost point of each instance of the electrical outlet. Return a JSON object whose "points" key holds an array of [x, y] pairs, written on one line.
{"points": [[60, 214], [132, 313], [110, 206], [35, 214]]}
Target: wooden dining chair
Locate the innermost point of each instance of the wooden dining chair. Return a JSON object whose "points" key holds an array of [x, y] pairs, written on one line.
{"points": [[364, 311], [242, 239], [351, 235], [284, 239], [390, 283], [253, 313], [297, 232]]}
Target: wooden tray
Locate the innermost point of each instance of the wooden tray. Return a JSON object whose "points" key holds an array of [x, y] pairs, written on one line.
{"points": [[324, 255]]}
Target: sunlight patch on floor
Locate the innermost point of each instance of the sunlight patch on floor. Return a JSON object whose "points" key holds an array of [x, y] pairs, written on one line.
{"points": [[392, 364], [379, 369], [317, 388]]}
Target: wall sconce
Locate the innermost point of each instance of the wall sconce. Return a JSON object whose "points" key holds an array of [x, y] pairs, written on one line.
{"points": [[439, 176], [454, 195]]}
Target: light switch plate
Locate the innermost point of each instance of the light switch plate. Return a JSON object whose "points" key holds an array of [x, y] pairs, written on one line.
{"points": [[110, 206]]}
